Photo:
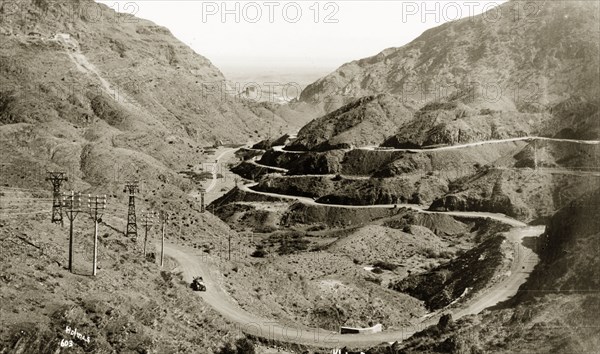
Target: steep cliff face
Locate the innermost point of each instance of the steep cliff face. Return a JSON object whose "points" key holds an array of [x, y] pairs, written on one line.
{"points": [[569, 247]]}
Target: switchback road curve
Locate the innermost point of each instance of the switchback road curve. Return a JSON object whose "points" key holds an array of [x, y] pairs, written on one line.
{"points": [[193, 263]]}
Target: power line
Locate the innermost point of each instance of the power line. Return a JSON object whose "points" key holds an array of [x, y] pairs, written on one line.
{"points": [[30, 213], [25, 199], [17, 189]]}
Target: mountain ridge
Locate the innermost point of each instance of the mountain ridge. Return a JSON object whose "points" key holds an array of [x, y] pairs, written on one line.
{"points": [[521, 50]]}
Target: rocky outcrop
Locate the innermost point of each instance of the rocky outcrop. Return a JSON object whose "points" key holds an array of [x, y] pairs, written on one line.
{"points": [[496, 204], [465, 274], [365, 122], [568, 249], [251, 171], [238, 195]]}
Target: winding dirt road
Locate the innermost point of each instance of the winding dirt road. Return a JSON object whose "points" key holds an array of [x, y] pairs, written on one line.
{"points": [[215, 170], [193, 263], [281, 148], [422, 209]]}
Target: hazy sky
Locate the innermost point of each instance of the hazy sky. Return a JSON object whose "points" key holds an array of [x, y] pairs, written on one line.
{"points": [[303, 35]]}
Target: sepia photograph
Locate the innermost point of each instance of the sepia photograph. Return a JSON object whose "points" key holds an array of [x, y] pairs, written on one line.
{"points": [[299, 177]]}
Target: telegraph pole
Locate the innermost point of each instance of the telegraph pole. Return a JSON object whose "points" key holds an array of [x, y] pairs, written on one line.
{"points": [[96, 207], [72, 204], [164, 216], [202, 208], [148, 223], [56, 178], [229, 249], [535, 155], [132, 188]]}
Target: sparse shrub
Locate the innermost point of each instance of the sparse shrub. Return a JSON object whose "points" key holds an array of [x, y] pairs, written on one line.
{"points": [[377, 270], [385, 265], [7, 104], [265, 229], [444, 321], [107, 110], [373, 280], [292, 243], [259, 252], [430, 253], [446, 254], [319, 227], [167, 278], [242, 346], [429, 266]]}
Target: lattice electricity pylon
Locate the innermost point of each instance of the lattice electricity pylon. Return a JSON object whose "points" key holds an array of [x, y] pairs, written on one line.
{"points": [[56, 178], [132, 188]]}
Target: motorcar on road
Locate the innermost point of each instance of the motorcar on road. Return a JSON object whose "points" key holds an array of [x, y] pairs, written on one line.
{"points": [[198, 284]]}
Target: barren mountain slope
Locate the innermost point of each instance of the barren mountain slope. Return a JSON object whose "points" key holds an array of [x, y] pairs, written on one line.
{"points": [[525, 68], [547, 49], [96, 93], [132, 305], [366, 121]]}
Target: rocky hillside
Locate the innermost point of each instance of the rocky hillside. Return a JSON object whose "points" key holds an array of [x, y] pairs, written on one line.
{"points": [[549, 47], [96, 93], [366, 121], [555, 310], [524, 68], [107, 98], [132, 305]]}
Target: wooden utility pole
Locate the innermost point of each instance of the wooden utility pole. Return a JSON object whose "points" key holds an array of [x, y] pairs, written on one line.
{"points": [[202, 192], [164, 216], [72, 204], [229, 252], [56, 178], [535, 155], [148, 223], [96, 207]]}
